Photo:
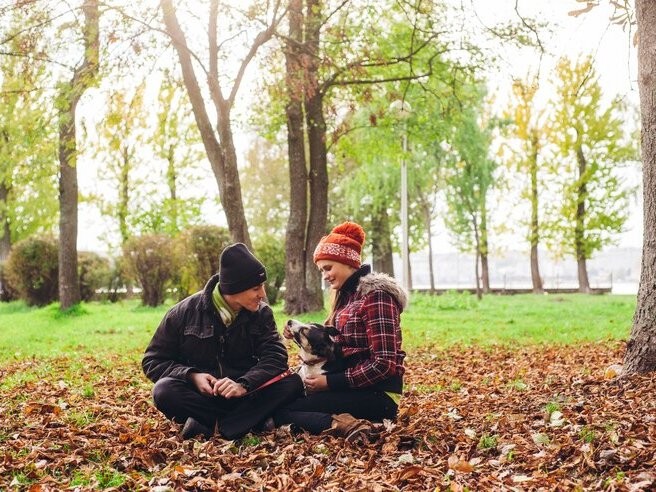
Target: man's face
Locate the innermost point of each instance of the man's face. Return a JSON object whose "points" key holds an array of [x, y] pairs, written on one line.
{"points": [[249, 299]]}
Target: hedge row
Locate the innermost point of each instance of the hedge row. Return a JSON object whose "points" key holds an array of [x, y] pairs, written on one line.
{"points": [[156, 263]]}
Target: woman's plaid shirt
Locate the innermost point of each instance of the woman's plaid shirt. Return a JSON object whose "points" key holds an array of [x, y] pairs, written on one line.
{"points": [[370, 335]]}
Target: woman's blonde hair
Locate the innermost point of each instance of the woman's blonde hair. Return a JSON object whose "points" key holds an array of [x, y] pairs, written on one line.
{"points": [[332, 299]]}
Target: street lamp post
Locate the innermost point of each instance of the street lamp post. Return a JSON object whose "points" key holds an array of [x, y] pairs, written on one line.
{"points": [[402, 110]]}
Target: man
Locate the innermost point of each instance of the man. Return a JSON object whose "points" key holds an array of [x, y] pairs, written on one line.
{"points": [[214, 350]]}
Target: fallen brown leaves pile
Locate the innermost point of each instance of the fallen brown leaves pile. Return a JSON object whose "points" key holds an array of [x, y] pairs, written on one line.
{"points": [[539, 418]]}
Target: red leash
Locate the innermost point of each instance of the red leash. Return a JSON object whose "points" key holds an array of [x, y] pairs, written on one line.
{"points": [[274, 379]]}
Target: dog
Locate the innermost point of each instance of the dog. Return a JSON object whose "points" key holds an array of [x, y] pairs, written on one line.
{"points": [[317, 350]]}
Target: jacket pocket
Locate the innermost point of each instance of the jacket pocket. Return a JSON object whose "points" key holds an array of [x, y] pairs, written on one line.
{"points": [[198, 347], [199, 331]]}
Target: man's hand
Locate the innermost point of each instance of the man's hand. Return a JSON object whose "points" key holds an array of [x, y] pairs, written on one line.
{"points": [[204, 382], [227, 388], [287, 333], [316, 383]]}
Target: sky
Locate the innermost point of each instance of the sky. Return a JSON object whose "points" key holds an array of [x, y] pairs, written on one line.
{"points": [[591, 33]]}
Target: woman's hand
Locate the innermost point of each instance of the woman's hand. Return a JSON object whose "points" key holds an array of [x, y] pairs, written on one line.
{"points": [[287, 333], [316, 383]]}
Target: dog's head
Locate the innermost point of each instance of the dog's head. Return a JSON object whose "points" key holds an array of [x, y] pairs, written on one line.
{"points": [[313, 339]]}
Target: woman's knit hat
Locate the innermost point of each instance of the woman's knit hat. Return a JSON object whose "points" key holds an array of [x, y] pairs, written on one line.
{"points": [[343, 244], [239, 270]]}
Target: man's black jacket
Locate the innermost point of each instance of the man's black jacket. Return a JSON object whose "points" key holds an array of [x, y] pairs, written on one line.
{"points": [[192, 337]]}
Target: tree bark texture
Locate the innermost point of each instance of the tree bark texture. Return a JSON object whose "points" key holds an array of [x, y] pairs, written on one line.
{"points": [[295, 251], [83, 78], [641, 348], [318, 175]]}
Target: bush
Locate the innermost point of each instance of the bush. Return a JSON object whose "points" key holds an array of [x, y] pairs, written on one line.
{"points": [[94, 273], [270, 250], [150, 259], [7, 292], [120, 280], [32, 269], [198, 250]]}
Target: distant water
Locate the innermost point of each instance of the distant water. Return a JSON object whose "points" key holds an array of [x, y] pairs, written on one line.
{"points": [[618, 268], [625, 288], [618, 288]]}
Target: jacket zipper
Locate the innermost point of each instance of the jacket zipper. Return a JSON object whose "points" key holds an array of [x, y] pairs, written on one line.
{"points": [[220, 356]]}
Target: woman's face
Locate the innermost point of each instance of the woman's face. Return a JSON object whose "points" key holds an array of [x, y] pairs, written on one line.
{"points": [[335, 273]]}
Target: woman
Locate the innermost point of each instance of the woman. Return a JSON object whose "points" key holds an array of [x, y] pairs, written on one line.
{"points": [[366, 311]]}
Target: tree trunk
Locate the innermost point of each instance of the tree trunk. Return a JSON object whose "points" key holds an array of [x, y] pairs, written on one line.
{"points": [[479, 291], [231, 198], [641, 348], [124, 196], [83, 78], [381, 243], [485, 273], [5, 235], [316, 129], [579, 231], [535, 271], [535, 226], [477, 254], [295, 292], [483, 248], [172, 181], [429, 234]]}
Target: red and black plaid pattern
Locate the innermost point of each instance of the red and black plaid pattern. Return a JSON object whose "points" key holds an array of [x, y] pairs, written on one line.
{"points": [[370, 332]]}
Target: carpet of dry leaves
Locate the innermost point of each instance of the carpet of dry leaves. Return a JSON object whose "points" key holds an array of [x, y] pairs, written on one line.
{"points": [[538, 418]]}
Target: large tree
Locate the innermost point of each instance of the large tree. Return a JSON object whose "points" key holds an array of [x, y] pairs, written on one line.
{"points": [[69, 94], [527, 133], [121, 135], [398, 42], [593, 142], [641, 348], [469, 180], [218, 138]]}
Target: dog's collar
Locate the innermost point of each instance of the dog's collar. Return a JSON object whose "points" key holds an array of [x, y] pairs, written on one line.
{"points": [[313, 362]]}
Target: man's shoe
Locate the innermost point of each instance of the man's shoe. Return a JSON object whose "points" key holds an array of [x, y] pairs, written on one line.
{"points": [[193, 428], [268, 425]]}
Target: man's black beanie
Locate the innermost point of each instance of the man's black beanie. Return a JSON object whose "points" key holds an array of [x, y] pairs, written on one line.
{"points": [[239, 270]]}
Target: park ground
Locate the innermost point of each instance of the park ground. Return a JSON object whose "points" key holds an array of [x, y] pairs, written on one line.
{"points": [[513, 393]]}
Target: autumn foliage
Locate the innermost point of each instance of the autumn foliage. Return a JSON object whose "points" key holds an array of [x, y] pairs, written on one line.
{"points": [[471, 419]]}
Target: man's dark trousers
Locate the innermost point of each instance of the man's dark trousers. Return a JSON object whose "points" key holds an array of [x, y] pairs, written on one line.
{"points": [[179, 399]]}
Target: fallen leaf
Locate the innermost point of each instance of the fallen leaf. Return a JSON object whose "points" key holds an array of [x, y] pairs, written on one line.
{"points": [[460, 465]]}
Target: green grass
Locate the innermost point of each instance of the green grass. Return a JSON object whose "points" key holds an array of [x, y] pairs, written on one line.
{"points": [[93, 328], [521, 319], [451, 319]]}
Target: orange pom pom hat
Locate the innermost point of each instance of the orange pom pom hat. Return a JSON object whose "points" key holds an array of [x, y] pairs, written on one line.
{"points": [[343, 244]]}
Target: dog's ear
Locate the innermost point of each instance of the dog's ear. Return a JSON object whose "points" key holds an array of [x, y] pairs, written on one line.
{"points": [[332, 331]]}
